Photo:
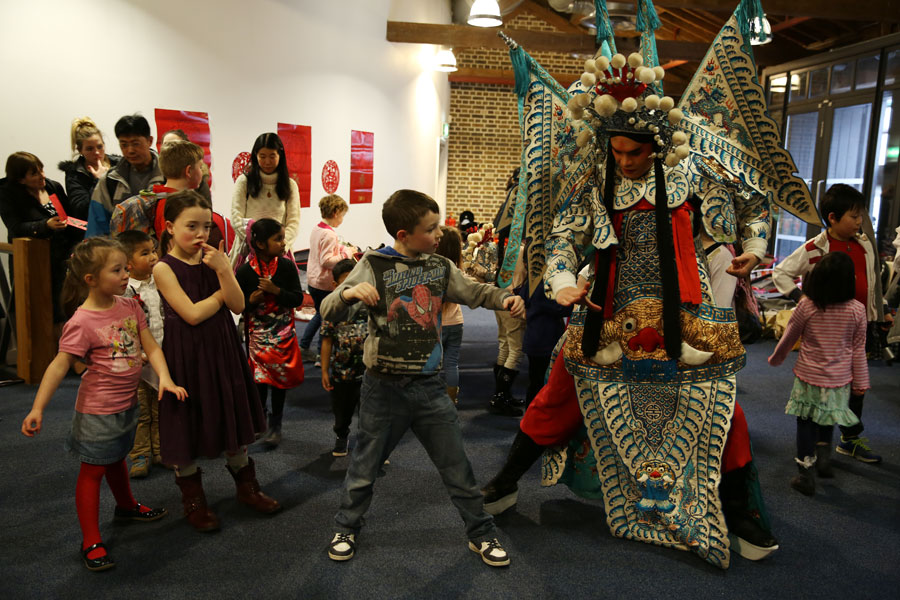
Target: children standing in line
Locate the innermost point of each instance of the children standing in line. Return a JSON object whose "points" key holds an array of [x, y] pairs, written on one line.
{"points": [[325, 250], [404, 287], [108, 332], [832, 363], [271, 288], [265, 191], [142, 257], [843, 207], [223, 413], [450, 247], [342, 351]]}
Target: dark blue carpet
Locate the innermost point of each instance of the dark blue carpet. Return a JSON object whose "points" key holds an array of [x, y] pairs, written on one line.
{"points": [[842, 543]]}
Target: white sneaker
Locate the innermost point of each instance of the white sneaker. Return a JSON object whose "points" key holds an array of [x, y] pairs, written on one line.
{"points": [[342, 547], [491, 552]]}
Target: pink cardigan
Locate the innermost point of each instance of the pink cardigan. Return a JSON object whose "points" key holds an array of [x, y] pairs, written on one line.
{"points": [[833, 348], [325, 251]]}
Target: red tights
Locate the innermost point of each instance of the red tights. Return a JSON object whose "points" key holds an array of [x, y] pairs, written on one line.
{"points": [[87, 499]]}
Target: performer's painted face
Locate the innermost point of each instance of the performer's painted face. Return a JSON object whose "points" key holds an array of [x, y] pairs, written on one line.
{"points": [[634, 158]]}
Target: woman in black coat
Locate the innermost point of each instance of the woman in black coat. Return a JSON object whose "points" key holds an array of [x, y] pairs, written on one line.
{"points": [[83, 172], [26, 207]]}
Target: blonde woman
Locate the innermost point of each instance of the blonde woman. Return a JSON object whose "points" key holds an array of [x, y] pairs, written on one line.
{"points": [[89, 163]]}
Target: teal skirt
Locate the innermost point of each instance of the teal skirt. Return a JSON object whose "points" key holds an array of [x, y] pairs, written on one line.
{"points": [[824, 406]]}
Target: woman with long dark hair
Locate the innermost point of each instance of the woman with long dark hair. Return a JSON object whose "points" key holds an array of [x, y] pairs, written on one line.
{"points": [[265, 191]]}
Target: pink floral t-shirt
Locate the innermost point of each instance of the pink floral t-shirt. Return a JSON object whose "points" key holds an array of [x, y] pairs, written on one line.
{"points": [[109, 341]]}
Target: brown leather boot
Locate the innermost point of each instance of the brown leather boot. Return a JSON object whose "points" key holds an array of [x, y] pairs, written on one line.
{"points": [[194, 501], [248, 490]]}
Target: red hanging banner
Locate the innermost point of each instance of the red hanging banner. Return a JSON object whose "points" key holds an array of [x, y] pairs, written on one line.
{"points": [[297, 140], [362, 157], [194, 124]]}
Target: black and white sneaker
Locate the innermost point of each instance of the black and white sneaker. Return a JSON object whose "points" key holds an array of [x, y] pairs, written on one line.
{"points": [[342, 547], [491, 552]]}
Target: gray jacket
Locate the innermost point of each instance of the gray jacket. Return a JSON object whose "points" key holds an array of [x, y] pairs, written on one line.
{"points": [[405, 325]]}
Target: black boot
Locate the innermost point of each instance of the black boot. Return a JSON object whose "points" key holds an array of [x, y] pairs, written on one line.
{"points": [[804, 482], [508, 376], [500, 402], [502, 491], [823, 460], [747, 535]]}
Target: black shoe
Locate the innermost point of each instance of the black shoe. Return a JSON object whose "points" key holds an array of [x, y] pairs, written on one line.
{"points": [[341, 447], [97, 564], [501, 492], [498, 500], [500, 406], [749, 539], [135, 514]]}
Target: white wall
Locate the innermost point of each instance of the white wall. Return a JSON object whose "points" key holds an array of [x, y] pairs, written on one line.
{"points": [[250, 65]]}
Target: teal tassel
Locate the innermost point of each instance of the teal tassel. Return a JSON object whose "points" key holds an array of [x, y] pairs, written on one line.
{"points": [[520, 68], [647, 19], [745, 13], [604, 49], [601, 17]]}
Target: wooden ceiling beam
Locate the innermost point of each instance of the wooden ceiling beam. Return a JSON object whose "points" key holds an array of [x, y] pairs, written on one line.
{"points": [[674, 85], [689, 24], [463, 36], [871, 10], [788, 23]]}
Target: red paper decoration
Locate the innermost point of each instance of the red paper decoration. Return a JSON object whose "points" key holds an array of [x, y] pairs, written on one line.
{"points": [[240, 165], [297, 141], [194, 124], [362, 152], [331, 177]]}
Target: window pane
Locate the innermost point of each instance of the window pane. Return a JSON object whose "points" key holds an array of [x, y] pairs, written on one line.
{"points": [[777, 84], [800, 141], [892, 73], [798, 85], [818, 83], [866, 72], [841, 78], [847, 152], [884, 206]]}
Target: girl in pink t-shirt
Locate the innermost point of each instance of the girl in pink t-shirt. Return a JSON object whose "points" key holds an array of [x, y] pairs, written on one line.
{"points": [[108, 333], [832, 363]]}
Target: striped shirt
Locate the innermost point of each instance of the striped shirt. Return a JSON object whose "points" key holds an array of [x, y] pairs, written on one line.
{"points": [[833, 346]]}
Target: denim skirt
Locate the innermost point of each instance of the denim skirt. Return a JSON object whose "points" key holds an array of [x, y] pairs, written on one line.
{"points": [[103, 439]]}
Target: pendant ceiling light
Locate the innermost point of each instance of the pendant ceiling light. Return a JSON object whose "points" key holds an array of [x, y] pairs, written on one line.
{"points": [[445, 61], [762, 32], [485, 13]]}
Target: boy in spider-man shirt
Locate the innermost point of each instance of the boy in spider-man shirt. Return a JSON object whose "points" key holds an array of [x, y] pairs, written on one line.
{"points": [[404, 287]]}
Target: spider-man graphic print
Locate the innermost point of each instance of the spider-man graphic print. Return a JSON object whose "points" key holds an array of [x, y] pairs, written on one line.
{"points": [[413, 294]]}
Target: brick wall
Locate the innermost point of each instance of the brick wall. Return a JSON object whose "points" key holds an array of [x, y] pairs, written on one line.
{"points": [[485, 144]]}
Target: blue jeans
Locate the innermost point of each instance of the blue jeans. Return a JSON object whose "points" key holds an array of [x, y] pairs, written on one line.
{"points": [[388, 407], [309, 332], [451, 340]]}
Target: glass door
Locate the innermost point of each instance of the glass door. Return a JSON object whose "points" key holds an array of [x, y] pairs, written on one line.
{"points": [[828, 146], [801, 140]]}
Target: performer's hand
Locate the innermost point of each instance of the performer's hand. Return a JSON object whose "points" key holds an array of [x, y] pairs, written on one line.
{"points": [[572, 295], [326, 381], [743, 264]]}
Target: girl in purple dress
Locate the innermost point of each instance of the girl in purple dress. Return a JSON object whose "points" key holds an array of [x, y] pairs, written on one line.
{"points": [[223, 412]]}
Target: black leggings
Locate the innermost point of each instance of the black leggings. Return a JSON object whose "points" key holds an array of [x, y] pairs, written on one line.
{"points": [[344, 400], [278, 395], [809, 434]]}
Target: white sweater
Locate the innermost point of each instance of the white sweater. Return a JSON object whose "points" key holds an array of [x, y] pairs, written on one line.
{"points": [[265, 205]]}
